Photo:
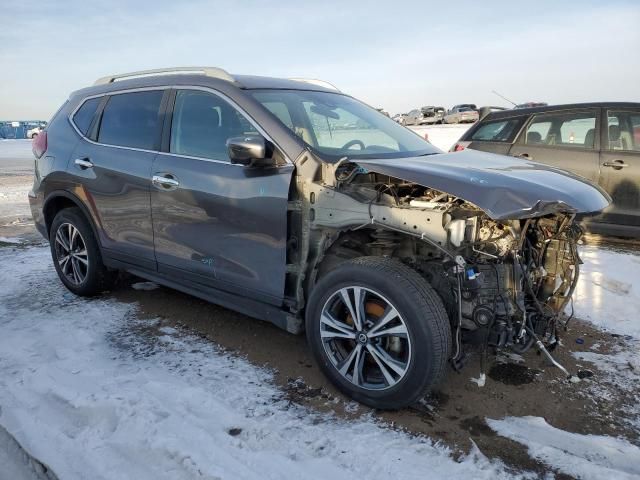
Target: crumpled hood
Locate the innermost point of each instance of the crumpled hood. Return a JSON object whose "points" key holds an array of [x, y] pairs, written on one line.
{"points": [[504, 187]]}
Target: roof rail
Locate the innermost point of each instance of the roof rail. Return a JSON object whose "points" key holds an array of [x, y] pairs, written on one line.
{"points": [[315, 81], [213, 72]]}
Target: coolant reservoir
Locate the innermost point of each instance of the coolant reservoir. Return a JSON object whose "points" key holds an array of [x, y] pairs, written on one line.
{"points": [[456, 231]]}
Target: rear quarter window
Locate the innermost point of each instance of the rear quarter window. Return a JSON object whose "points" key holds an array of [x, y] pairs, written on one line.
{"points": [[498, 130], [83, 116]]}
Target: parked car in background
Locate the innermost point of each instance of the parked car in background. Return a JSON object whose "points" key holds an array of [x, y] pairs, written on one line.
{"points": [[598, 141], [411, 118], [34, 132], [472, 106], [383, 111], [400, 118], [461, 115], [433, 115], [425, 116]]}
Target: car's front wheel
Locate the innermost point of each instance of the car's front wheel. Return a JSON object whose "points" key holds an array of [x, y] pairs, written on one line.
{"points": [[76, 254], [378, 331]]}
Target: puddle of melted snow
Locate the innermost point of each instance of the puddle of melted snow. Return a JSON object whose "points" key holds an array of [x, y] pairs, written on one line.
{"points": [[513, 373]]}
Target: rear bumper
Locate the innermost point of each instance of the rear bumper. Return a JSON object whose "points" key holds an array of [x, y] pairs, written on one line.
{"points": [[36, 202]]}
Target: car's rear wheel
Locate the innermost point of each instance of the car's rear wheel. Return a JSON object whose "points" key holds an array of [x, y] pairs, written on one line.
{"points": [[76, 255], [379, 332]]}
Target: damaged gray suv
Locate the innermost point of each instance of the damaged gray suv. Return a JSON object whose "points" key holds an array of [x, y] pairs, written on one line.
{"points": [[294, 203]]}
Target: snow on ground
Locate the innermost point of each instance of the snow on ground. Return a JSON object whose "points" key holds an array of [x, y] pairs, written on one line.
{"points": [[13, 240], [145, 286], [13, 201], [442, 136], [15, 464], [588, 457], [94, 392], [621, 369], [606, 294]]}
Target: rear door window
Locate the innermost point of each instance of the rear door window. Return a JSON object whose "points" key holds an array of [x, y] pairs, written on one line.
{"points": [[203, 122], [623, 131], [83, 116], [563, 129], [498, 130], [131, 120]]}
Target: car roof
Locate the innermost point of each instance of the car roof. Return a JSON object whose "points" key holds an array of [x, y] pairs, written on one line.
{"points": [[250, 82], [244, 82], [552, 108]]}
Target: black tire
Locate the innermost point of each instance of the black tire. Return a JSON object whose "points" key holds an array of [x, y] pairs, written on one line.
{"points": [[421, 311], [97, 278]]}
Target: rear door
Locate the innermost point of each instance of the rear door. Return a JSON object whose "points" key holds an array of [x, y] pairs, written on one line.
{"points": [[112, 165], [566, 139], [216, 223], [620, 166]]}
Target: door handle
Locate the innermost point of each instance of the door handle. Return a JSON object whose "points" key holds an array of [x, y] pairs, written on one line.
{"points": [[165, 181], [616, 164], [526, 156], [83, 163]]}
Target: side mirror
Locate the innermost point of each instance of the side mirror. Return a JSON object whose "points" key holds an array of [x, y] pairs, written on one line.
{"points": [[250, 151]]}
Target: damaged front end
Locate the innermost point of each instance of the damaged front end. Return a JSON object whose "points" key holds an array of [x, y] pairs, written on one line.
{"points": [[509, 282], [505, 276]]}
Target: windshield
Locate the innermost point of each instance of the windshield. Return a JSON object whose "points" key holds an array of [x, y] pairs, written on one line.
{"points": [[336, 126]]}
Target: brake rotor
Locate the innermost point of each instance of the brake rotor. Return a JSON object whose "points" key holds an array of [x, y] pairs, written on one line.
{"points": [[371, 308]]}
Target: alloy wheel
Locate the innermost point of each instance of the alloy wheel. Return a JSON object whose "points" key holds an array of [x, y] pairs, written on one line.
{"points": [[365, 338], [71, 253]]}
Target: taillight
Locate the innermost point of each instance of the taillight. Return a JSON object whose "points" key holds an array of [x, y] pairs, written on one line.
{"points": [[39, 144], [459, 146]]}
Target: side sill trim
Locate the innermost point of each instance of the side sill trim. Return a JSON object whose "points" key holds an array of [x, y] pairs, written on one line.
{"points": [[246, 306]]}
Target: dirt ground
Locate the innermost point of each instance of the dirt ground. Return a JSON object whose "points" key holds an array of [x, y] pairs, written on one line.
{"points": [[453, 414]]}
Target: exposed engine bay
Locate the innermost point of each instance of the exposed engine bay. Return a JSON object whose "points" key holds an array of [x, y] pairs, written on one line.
{"points": [[504, 283]]}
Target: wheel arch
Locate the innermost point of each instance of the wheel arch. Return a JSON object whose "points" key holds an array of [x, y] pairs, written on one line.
{"points": [[339, 247], [61, 199]]}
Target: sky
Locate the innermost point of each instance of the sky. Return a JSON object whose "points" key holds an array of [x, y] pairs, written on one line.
{"points": [[394, 55]]}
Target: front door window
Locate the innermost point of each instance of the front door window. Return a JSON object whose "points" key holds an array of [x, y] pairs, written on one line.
{"points": [[623, 131], [203, 122]]}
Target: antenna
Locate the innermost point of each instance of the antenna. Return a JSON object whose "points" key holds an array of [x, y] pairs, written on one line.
{"points": [[504, 98]]}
